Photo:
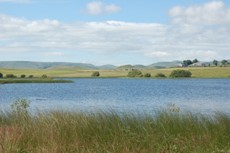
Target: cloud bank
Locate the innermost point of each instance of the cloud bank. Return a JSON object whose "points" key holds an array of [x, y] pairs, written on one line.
{"points": [[188, 36], [212, 13]]}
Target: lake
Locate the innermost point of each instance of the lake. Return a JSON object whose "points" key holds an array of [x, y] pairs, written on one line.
{"points": [[123, 95]]}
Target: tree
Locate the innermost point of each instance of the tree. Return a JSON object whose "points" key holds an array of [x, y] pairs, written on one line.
{"points": [[95, 74], [23, 76], [147, 75], [195, 61], [1, 75], [224, 62], [160, 75], [180, 74], [215, 62], [11, 76], [44, 76], [187, 63], [135, 73], [30, 76]]}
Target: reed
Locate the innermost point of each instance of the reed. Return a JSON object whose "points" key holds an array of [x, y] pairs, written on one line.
{"points": [[59, 131]]}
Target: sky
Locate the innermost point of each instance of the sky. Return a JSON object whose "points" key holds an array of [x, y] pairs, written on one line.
{"points": [[114, 32]]}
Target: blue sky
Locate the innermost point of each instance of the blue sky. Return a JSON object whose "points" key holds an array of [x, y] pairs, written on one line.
{"points": [[114, 32]]}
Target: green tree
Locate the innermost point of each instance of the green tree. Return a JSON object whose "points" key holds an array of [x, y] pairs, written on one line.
{"points": [[23, 76], [135, 73], [1, 75], [215, 62], [224, 62], [160, 75], [11, 76], [95, 74], [44, 76], [195, 61], [147, 75], [180, 74], [30, 76], [187, 63]]}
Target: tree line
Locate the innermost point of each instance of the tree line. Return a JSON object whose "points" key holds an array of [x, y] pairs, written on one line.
{"points": [[21, 76], [215, 62]]}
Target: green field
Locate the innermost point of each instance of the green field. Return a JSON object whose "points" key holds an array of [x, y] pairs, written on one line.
{"points": [[70, 132], [199, 72]]}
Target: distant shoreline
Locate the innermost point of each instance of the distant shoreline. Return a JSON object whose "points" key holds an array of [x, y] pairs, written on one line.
{"points": [[18, 80]]}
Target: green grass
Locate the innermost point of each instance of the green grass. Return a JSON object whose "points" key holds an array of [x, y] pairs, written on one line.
{"points": [[167, 132], [32, 80], [197, 72]]}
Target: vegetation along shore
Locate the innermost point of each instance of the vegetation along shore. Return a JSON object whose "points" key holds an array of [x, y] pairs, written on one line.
{"points": [[11, 78], [58, 131]]}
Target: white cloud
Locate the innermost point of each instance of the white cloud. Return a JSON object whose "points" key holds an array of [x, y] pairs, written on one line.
{"points": [[112, 8], [158, 54], [94, 8], [38, 38], [211, 13], [97, 8]]}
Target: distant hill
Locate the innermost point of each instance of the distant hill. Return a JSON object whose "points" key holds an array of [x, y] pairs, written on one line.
{"points": [[86, 66], [132, 67], [107, 67], [50, 65], [166, 64]]}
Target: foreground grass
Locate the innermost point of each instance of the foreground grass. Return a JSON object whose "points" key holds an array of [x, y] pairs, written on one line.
{"points": [[197, 72], [168, 132]]}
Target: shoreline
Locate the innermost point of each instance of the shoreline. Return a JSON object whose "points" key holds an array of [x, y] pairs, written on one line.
{"points": [[15, 81]]}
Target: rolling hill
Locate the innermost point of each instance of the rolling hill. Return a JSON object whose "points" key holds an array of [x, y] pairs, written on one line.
{"points": [[49, 65]]}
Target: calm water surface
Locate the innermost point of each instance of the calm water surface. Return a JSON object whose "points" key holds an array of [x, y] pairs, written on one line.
{"points": [[129, 95]]}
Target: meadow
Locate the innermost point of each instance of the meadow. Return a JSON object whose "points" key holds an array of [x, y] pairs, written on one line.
{"points": [[57, 131], [197, 72]]}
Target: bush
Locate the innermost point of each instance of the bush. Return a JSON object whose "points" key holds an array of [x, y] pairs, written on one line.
{"points": [[20, 107], [147, 75], [180, 74], [44, 76], [160, 75], [1, 75], [23, 76], [11, 76], [30, 76], [95, 74], [135, 73]]}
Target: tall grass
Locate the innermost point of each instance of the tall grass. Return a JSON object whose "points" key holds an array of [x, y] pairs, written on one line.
{"points": [[57, 131]]}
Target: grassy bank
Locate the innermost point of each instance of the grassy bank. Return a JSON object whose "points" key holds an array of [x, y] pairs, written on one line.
{"points": [[32, 80], [197, 72], [168, 132]]}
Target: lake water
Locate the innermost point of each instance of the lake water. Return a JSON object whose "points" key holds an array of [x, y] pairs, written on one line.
{"points": [[123, 95]]}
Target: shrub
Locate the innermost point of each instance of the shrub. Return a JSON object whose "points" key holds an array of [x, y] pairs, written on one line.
{"points": [[1, 75], [135, 73], [147, 75], [180, 73], [20, 108], [95, 74], [160, 75], [30, 76], [44, 76], [23, 76], [11, 76]]}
